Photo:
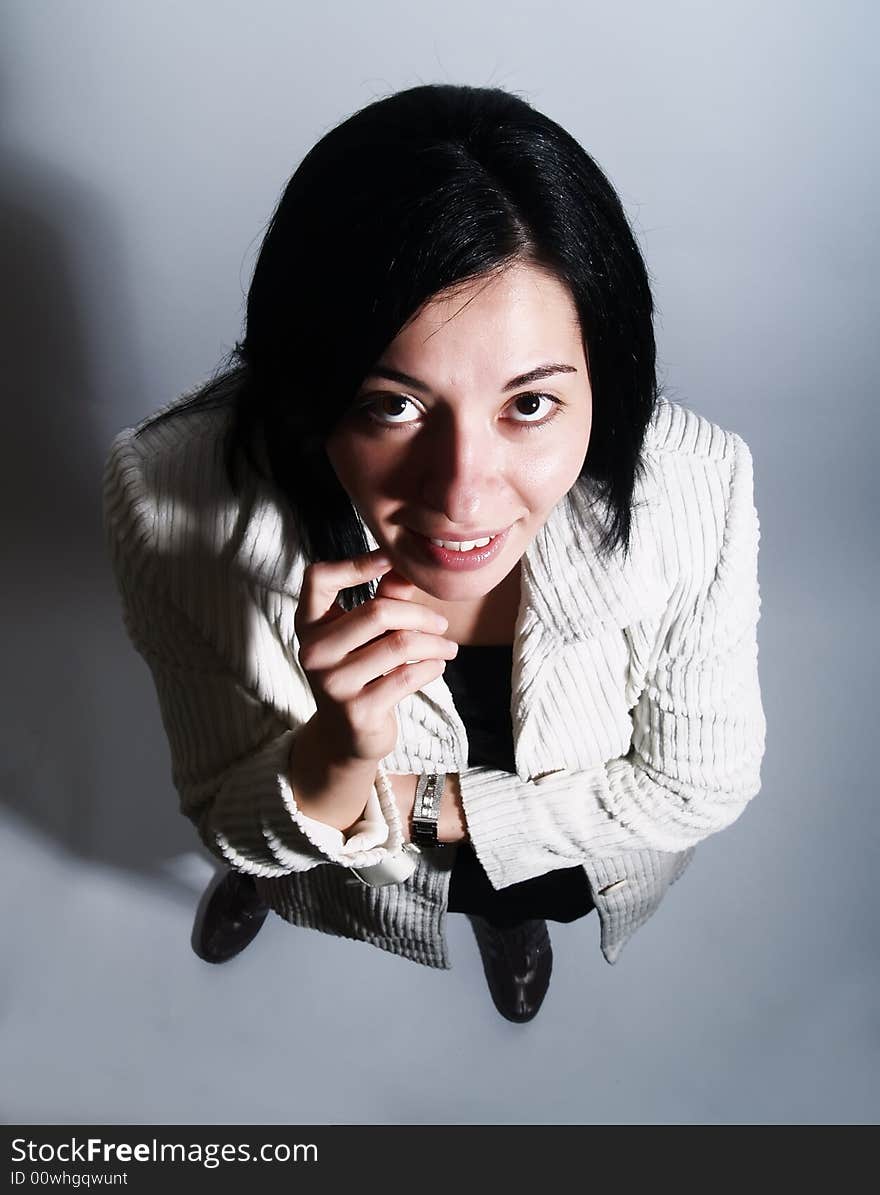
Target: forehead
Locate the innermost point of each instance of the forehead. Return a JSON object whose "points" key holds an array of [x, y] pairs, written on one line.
{"points": [[492, 323]]}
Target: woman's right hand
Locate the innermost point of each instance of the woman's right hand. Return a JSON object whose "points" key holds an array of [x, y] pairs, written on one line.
{"points": [[360, 663]]}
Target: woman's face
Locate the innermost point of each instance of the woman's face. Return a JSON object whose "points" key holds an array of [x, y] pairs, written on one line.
{"points": [[475, 421]]}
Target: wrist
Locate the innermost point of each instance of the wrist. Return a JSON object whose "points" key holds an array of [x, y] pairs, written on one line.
{"points": [[327, 788], [404, 789], [452, 825]]}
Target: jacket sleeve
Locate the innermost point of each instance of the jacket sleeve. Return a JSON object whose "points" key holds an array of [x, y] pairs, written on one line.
{"points": [[229, 748], [697, 745]]}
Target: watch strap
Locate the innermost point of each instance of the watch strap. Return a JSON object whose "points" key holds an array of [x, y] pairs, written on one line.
{"points": [[426, 809]]}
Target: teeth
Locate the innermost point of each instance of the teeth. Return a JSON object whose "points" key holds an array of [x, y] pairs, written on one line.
{"points": [[465, 545]]}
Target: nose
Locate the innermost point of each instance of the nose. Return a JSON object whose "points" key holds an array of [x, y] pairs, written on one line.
{"points": [[461, 470]]}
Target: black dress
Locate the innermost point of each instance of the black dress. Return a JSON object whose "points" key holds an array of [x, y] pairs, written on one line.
{"points": [[479, 679]]}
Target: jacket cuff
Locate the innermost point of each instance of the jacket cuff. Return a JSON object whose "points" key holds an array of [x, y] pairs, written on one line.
{"points": [[256, 825], [370, 831], [521, 829]]}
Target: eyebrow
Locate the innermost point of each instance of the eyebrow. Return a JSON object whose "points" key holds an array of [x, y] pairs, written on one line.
{"points": [[523, 379]]}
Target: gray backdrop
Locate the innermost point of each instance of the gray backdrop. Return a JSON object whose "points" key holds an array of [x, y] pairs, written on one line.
{"points": [[144, 147]]}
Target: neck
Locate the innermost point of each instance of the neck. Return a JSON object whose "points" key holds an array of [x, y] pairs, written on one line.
{"points": [[487, 621]]}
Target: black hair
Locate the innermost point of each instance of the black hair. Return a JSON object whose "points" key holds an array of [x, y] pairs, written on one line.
{"points": [[410, 196]]}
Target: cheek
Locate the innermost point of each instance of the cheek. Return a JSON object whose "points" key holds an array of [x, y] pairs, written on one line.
{"points": [[335, 450], [365, 477], [347, 459], [549, 476]]}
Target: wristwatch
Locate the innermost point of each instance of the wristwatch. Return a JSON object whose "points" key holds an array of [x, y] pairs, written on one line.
{"points": [[426, 809]]}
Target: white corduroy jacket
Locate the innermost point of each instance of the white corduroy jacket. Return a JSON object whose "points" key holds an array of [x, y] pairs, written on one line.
{"points": [[637, 717]]}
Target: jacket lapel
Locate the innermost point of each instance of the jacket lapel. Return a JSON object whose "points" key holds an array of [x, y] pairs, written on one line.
{"points": [[571, 683]]}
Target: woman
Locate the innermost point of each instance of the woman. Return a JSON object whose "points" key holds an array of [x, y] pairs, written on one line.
{"points": [[435, 528]]}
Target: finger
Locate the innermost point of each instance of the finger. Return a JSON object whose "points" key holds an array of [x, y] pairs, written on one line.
{"points": [[395, 584], [329, 643], [389, 690], [381, 657], [323, 580]]}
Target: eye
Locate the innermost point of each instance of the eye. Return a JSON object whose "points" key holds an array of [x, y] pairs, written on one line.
{"points": [[533, 404], [399, 410], [391, 409]]}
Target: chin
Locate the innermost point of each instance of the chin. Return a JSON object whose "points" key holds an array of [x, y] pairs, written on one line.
{"points": [[461, 587]]}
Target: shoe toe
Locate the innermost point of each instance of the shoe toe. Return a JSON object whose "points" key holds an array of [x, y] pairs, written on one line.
{"points": [[229, 919], [518, 963]]}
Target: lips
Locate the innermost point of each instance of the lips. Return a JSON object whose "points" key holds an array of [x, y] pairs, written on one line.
{"points": [[458, 560]]}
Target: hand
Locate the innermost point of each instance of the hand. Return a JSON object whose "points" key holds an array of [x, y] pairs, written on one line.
{"points": [[360, 663]]}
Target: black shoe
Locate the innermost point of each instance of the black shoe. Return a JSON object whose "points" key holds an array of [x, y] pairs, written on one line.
{"points": [[229, 917], [517, 962]]}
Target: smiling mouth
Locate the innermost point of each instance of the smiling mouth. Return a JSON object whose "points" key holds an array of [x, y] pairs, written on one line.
{"points": [[481, 540], [464, 545], [461, 555]]}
